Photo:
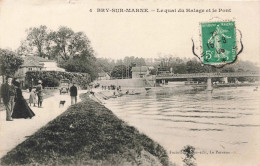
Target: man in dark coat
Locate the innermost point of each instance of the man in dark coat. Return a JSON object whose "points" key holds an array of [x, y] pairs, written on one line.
{"points": [[73, 94], [39, 93], [8, 95]]}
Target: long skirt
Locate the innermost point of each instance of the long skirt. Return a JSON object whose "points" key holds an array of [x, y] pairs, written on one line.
{"points": [[22, 110]]}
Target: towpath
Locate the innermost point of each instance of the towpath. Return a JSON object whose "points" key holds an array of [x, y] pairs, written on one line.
{"points": [[15, 132]]}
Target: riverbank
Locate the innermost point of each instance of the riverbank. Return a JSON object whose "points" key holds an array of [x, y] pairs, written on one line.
{"points": [[87, 133]]}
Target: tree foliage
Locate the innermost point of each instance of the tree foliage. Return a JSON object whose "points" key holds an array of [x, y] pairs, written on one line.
{"points": [[67, 43], [60, 45], [113, 67], [119, 71], [52, 78], [72, 50], [85, 63], [189, 152], [9, 62], [105, 65], [37, 40]]}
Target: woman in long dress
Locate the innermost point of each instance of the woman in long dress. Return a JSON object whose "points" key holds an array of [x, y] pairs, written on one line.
{"points": [[21, 108]]}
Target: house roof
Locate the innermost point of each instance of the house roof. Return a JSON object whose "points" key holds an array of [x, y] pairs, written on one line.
{"points": [[103, 74], [33, 61], [39, 59], [140, 69]]}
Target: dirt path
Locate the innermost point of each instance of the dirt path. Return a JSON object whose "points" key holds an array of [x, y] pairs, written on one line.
{"points": [[14, 132]]}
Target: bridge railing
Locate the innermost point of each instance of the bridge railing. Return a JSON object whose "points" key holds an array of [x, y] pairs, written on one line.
{"points": [[203, 75]]}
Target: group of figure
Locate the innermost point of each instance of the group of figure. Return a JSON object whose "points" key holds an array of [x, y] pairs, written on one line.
{"points": [[36, 95], [15, 104], [111, 87]]}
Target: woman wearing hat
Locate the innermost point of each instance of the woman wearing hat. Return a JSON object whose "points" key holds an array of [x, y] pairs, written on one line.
{"points": [[21, 108], [39, 93]]}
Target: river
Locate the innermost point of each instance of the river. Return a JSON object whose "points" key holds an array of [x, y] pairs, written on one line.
{"points": [[222, 125]]}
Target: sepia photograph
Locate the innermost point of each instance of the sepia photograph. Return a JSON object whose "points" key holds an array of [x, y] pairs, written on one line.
{"points": [[130, 83]]}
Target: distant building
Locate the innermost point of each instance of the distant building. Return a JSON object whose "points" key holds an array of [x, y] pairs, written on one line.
{"points": [[48, 65], [164, 70], [35, 63], [103, 76], [140, 72]]}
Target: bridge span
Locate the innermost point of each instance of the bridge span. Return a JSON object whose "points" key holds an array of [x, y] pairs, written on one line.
{"points": [[207, 75], [165, 77]]}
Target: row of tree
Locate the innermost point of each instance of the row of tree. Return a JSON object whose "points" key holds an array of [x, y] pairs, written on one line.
{"points": [[122, 68], [72, 50], [59, 45], [188, 65]]}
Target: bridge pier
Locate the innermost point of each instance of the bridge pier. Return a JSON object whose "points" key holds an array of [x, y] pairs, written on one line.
{"points": [[224, 79], [209, 84], [236, 80], [164, 82]]}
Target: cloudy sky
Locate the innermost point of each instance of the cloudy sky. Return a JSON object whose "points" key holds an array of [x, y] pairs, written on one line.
{"points": [[116, 35]]}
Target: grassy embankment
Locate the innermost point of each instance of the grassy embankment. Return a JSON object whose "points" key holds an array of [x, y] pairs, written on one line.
{"points": [[87, 134]]}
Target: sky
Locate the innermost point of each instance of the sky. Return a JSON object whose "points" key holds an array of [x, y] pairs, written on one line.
{"points": [[116, 35]]}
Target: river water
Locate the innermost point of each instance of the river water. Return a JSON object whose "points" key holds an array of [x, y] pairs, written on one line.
{"points": [[222, 125]]}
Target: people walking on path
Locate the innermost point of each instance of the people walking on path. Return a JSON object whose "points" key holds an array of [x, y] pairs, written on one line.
{"points": [[8, 95], [32, 98], [21, 108], [39, 93], [73, 94]]}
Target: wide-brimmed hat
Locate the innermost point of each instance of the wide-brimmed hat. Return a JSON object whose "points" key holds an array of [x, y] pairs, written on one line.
{"points": [[39, 82]]}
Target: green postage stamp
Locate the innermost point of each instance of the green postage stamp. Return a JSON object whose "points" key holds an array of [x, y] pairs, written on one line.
{"points": [[218, 42]]}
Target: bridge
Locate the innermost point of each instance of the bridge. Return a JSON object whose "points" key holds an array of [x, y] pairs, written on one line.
{"points": [[209, 76]]}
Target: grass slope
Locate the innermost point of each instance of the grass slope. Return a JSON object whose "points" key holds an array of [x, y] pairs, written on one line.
{"points": [[87, 134]]}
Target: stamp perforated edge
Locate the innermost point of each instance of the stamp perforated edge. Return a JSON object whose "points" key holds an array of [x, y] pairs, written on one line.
{"points": [[200, 39]]}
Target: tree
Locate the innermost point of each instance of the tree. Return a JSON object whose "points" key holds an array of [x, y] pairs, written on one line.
{"points": [[227, 69], [67, 43], [24, 48], [180, 69], [71, 49], [127, 61], [60, 45], [194, 67], [119, 71], [105, 64], [84, 63], [189, 152], [9, 62], [36, 38]]}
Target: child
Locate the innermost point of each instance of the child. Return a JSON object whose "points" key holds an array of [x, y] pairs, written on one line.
{"points": [[35, 99], [32, 98]]}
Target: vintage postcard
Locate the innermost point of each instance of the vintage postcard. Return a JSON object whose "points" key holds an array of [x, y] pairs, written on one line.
{"points": [[130, 82]]}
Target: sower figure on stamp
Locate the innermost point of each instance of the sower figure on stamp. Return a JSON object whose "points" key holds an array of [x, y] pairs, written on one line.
{"points": [[39, 93], [8, 95], [73, 93]]}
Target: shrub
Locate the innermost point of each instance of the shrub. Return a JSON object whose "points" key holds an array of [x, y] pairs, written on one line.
{"points": [[52, 78]]}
